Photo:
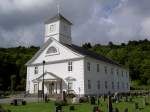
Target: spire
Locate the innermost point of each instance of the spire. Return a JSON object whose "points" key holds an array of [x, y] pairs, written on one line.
{"points": [[58, 7]]}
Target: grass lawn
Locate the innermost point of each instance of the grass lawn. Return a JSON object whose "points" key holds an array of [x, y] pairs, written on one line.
{"points": [[83, 107]]}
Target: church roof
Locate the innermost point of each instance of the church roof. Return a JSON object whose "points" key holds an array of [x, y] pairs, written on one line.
{"points": [[56, 18], [91, 54], [76, 49]]}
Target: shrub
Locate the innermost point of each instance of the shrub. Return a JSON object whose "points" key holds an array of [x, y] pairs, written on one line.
{"points": [[3, 110], [83, 100]]}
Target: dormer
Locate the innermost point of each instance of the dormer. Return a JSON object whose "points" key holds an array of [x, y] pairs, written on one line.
{"points": [[58, 28]]}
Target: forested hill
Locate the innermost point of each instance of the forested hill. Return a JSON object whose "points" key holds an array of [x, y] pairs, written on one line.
{"points": [[134, 55], [12, 67]]}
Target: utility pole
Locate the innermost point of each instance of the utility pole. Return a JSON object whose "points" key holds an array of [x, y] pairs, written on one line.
{"points": [[43, 80]]}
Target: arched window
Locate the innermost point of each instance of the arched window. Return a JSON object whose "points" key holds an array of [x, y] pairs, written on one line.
{"points": [[51, 50]]}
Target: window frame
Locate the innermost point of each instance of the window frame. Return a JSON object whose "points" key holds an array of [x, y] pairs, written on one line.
{"points": [[112, 71], [98, 68], [113, 85], [105, 69], [50, 49], [117, 72], [122, 73], [98, 85], [36, 70], [106, 85], [88, 66], [89, 84], [70, 66], [52, 28], [118, 85]]}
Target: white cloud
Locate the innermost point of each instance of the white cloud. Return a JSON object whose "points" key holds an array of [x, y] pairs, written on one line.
{"points": [[96, 21], [146, 27]]}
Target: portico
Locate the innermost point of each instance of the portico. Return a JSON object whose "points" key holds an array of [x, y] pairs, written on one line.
{"points": [[52, 84]]}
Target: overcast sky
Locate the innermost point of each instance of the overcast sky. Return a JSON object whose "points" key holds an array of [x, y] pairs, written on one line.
{"points": [[95, 21]]}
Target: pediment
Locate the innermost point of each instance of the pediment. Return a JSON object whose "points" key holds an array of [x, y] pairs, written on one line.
{"points": [[51, 52], [47, 76]]}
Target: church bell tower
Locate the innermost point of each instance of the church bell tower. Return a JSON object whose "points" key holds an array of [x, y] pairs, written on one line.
{"points": [[58, 28]]}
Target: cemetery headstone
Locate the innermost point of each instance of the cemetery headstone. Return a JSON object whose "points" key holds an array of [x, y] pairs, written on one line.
{"points": [[23, 102], [46, 98], [93, 100], [98, 101], [58, 108], [15, 102]]}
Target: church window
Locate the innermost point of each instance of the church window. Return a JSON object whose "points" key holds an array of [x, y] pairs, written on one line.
{"points": [[117, 72], [88, 66], [51, 50], [105, 69], [52, 28], [70, 66], [122, 85], [36, 70], [65, 28], [98, 84], [126, 74], [122, 73], [97, 67], [106, 86], [118, 85], [127, 85], [112, 85], [89, 84], [112, 71]]}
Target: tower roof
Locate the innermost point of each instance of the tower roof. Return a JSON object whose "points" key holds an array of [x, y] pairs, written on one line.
{"points": [[56, 18]]}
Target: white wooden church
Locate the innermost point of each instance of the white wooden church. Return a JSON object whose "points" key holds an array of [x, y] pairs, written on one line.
{"points": [[61, 66]]}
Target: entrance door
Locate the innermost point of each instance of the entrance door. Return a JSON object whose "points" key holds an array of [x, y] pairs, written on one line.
{"points": [[51, 88], [35, 88]]}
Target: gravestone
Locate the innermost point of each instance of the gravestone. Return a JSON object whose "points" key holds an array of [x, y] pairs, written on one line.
{"points": [[93, 100], [105, 97], [98, 101], [46, 98], [58, 109]]}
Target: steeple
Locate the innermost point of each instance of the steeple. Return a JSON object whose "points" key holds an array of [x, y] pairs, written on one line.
{"points": [[59, 28]]}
